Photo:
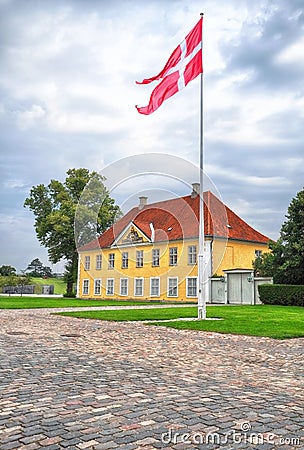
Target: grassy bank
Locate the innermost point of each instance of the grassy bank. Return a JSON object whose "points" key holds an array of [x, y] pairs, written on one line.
{"points": [[59, 285]]}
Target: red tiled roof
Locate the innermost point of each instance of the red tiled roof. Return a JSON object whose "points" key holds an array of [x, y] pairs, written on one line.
{"points": [[178, 219]]}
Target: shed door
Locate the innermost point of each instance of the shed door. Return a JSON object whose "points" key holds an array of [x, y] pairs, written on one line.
{"points": [[239, 289], [246, 290], [234, 288]]}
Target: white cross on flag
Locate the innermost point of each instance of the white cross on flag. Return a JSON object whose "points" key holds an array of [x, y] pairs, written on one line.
{"points": [[184, 64]]}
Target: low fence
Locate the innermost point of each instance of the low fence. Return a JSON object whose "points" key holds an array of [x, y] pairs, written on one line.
{"points": [[43, 289]]}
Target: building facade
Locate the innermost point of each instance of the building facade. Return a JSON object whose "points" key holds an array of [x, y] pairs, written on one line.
{"points": [[151, 252]]}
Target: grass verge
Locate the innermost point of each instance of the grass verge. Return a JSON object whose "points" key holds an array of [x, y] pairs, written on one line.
{"points": [[135, 314], [18, 302], [278, 322]]}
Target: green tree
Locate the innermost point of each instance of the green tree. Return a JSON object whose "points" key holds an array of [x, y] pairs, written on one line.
{"points": [[47, 272], [80, 208], [6, 271], [15, 280], [292, 241], [23, 280], [269, 264], [285, 263], [8, 280], [37, 269]]}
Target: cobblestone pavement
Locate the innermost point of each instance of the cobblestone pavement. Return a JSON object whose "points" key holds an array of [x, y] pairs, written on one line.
{"points": [[69, 383]]}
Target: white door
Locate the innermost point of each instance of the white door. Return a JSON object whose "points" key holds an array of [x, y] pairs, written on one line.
{"points": [[239, 289]]}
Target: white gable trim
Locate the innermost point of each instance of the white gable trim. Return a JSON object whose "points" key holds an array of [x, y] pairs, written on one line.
{"points": [[119, 237]]}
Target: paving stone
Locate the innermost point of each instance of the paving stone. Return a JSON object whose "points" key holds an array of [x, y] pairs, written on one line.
{"points": [[32, 446], [69, 443], [32, 438], [128, 447], [106, 446], [124, 385], [51, 447], [10, 445], [90, 437], [10, 438], [31, 431], [89, 444], [50, 441]]}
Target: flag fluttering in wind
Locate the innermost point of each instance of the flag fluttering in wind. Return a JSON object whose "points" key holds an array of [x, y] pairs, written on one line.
{"points": [[184, 64]]}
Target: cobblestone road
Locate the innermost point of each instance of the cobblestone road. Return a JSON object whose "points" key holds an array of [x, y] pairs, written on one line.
{"points": [[78, 384]]}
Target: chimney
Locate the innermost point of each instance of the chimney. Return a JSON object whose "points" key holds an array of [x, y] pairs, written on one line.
{"points": [[195, 190], [142, 202]]}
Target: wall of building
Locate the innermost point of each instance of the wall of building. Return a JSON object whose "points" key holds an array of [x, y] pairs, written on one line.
{"points": [[225, 256], [163, 272], [234, 255]]}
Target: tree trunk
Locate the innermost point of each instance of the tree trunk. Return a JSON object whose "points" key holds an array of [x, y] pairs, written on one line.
{"points": [[71, 275]]}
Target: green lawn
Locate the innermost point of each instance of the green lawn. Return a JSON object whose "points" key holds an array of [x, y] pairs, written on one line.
{"points": [[18, 302], [279, 322], [135, 314]]}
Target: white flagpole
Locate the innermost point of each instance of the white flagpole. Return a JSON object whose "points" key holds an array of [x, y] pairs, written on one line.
{"points": [[201, 301]]}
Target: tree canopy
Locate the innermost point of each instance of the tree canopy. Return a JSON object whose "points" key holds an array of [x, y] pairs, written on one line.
{"points": [[54, 207], [7, 271], [37, 269], [285, 262]]}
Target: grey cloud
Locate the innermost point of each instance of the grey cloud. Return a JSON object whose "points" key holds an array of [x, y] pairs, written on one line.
{"points": [[286, 125], [261, 41], [255, 179]]}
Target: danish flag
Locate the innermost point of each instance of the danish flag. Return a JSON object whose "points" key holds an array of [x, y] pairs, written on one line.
{"points": [[184, 64]]}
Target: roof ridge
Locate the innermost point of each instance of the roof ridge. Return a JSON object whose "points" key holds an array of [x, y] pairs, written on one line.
{"points": [[148, 205], [178, 218]]}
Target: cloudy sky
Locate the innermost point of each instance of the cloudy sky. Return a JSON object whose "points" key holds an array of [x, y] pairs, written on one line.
{"points": [[68, 95]]}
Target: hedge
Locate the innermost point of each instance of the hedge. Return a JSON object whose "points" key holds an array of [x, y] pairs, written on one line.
{"points": [[281, 294]]}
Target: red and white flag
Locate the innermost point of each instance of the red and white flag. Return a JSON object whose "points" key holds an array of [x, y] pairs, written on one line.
{"points": [[184, 64]]}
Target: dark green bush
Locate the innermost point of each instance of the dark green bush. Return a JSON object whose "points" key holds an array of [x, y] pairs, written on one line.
{"points": [[281, 294], [69, 295]]}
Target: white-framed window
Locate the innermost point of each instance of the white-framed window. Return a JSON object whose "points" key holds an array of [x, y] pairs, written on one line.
{"points": [[87, 262], [138, 287], [111, 260], [125, 260], [191, 286], [110, 286], [139, 258], [154, 286], [192, 254], [258, 253], [173, 287], [97, 286], [98, 262], [85, 287], [172, 256], [155, 257], [124, 286]]}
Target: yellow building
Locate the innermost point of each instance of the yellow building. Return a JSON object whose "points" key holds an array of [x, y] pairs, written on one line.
{"points": [[151, 252]]}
